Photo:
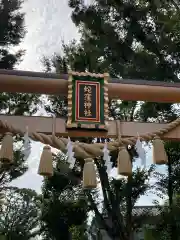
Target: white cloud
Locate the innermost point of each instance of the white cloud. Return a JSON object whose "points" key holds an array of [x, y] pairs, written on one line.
{"points": [[48, 22]]}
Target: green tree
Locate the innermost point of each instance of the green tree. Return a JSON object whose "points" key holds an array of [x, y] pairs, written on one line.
{"points": [[12, 31], [168, 185], [9, 172], [19, 215], [162, 185], [64, 209], [168, 221]]}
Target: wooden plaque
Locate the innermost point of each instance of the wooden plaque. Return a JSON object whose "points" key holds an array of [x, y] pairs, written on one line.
{"points": [[87, 101]]}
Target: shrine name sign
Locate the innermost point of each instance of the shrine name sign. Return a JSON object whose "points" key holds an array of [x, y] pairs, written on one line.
{"points": [[87, 101]]}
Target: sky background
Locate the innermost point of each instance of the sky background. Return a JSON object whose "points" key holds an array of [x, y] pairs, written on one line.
{"points": [[48, 22]]}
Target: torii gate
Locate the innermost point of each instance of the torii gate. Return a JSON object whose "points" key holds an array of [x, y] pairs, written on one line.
{"points": [[88, 117], [56, 84]]}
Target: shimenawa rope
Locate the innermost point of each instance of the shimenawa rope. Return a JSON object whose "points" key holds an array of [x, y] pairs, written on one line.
{"points": [[84, 150]]}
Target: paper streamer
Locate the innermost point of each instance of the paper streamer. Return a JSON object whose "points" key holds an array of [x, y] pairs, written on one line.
{"points": [[70, 154], [141, 152], [26, 148], [107, 158]]}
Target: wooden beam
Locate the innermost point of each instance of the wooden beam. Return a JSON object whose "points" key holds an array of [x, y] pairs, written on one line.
{"points": [[125, 89], [44, 125]]}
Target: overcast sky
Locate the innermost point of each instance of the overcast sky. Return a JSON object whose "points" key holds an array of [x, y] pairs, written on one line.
{"points": [[48, 22]]}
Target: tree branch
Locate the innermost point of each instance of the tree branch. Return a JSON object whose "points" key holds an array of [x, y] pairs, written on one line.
{"points": [[100, 219]]}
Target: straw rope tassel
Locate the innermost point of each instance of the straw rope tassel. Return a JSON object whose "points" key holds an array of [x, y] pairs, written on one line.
{"points": [[46, 165], [6, 152], [159, 153], [124, 162], [124, 165], [89, 174]]}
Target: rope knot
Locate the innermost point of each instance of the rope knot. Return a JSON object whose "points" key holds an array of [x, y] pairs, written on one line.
{"points": [[156, 137], [121, 147], [88, 160]]}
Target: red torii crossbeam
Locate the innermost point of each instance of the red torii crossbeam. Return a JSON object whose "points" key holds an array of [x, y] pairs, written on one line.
{"points": [[125, 89]]}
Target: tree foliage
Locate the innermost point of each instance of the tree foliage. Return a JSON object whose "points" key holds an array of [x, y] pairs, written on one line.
{"points": [[19, 214], [139, 38], [119, 197], [172, 149], [168, 221], [8, 172], [12, 31], [64, 210]]}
